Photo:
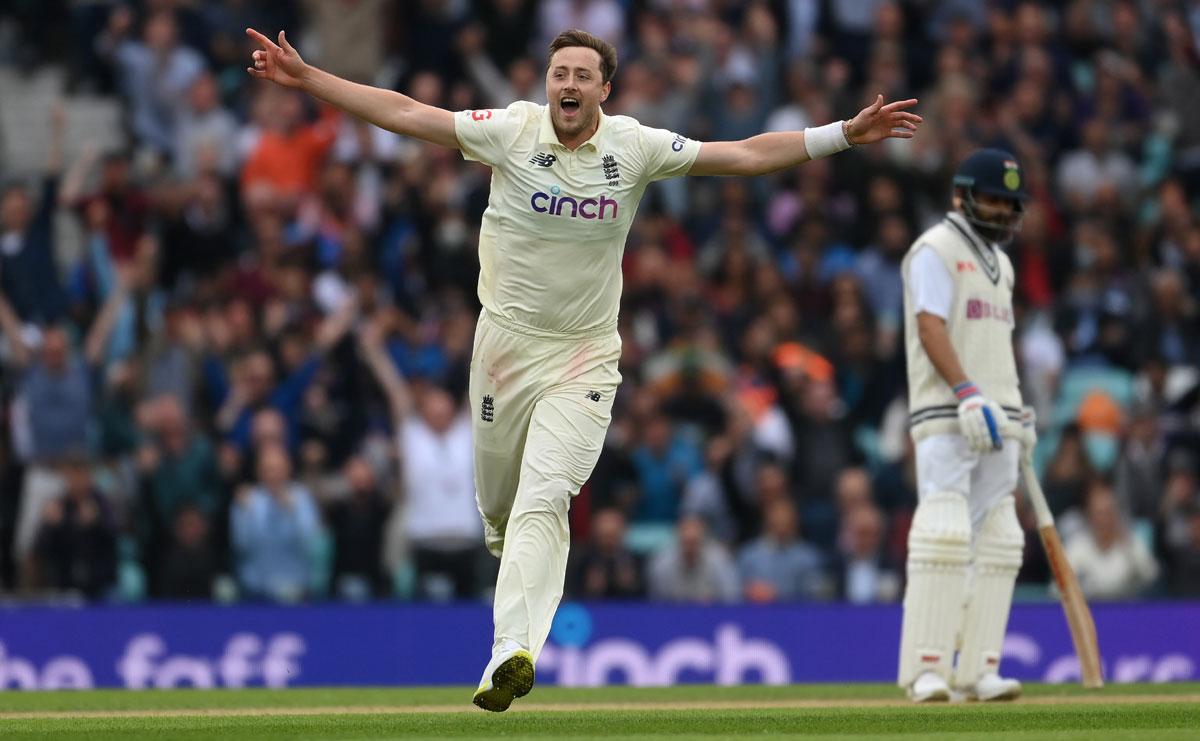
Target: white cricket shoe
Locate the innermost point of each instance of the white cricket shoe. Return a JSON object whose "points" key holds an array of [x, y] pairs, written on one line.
{"points": [[508, 675], [991, 687], [929, 687]]}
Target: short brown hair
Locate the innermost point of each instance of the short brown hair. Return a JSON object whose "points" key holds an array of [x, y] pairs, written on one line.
{"points": [[576, 37]]}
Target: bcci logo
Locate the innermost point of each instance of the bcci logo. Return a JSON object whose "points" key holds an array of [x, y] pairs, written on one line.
{"points": [[1012, 175]]}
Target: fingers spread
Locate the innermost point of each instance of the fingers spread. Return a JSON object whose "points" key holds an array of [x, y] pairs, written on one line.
{"points": [[267, 43], [900, 105]]}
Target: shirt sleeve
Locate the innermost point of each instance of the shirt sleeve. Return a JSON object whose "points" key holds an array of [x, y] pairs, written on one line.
{"points": [[930, 282], [666, 154], [485, 135]]}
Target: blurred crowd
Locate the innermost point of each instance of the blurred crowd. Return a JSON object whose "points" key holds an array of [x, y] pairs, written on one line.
{"points": [[247, 381]]}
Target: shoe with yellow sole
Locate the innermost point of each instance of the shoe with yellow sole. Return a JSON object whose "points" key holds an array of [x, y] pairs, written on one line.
{"points": [[508, 675]]}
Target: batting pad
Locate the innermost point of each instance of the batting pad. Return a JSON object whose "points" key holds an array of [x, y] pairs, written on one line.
{"points": [[998, 550], [938, 554]]}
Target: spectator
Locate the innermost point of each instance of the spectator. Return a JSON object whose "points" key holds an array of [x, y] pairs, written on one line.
{"points": [[823, 449], [204, 132], [604, 568], [190, 564], [154, 74], [275, 530], [254, 386], [117, 209], [356, 522], [54, 404], [1067, 473], [1138, 477], [694, 569], [285, 161], [178, 469], [1183, 578], [350, 37], [1096, 174], [1110, 562], [1176, 523], [665, 461], [442, 520], [863, 572], [708, 494], [778, 566], [76, 544], [28, 272]]}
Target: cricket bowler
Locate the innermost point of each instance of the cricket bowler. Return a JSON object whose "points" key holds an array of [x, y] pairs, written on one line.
{"points": [[965, 544], [566, 182]]}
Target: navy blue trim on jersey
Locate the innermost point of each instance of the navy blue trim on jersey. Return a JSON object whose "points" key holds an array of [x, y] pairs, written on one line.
{"points": [[984, 254]]}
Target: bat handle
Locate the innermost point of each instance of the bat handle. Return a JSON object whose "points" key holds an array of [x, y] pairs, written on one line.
{"points": [[1034, 488]]}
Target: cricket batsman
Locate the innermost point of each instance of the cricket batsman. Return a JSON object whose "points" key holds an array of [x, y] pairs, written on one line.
{"points": [[965, 544], [566, 182]]}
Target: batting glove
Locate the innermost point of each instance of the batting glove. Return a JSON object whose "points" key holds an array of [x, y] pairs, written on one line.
{"points": [[979, 419]]}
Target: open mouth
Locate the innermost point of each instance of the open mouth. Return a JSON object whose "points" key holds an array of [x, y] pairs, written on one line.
{"points": [[570, 106]]}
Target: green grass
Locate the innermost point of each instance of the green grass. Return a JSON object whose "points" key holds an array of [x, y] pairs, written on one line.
{"points": [[1071, 717]]}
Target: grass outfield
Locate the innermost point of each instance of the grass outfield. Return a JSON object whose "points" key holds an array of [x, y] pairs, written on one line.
{"points": [[830, 711]]}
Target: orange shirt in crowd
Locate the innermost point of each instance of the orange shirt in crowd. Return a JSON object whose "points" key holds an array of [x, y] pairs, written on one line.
{"points": [[289, 161]]}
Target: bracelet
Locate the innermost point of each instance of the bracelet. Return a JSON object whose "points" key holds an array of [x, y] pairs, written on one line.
{"points": [[965, 389], [823, 141]]}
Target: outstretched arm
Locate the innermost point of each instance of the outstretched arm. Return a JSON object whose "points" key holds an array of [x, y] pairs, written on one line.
{"points": [[371, 345], [96, 341], [773, 151], [10, 323], [387, 109]]}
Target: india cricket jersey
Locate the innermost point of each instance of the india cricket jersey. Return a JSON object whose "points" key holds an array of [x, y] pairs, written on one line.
{"points": [[980, 325], [554, 231]]}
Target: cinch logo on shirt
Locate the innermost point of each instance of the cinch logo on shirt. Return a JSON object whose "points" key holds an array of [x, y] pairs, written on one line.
{"points": [[589, 208], [977, 309]]}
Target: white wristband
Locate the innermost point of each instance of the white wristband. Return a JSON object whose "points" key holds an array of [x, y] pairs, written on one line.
{"points": [[825, 140]]}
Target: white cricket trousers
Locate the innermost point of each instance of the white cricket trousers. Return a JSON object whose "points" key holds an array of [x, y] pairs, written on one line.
{"points": [[542, 404], [947, 463]]}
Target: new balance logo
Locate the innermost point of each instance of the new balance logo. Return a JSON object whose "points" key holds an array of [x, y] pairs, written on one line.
{"points": [[593, 395], [487, 410], [611, 174], [541, 159]]}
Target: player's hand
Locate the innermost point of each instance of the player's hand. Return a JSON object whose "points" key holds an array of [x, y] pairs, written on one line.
{"points": [[279, 63], [979, 419], [878, 121]]}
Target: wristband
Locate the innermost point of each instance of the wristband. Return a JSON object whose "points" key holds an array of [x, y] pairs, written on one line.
{"points": [[823, 141], [965, 389]]}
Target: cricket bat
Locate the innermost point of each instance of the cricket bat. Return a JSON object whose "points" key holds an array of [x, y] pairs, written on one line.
{"points": [[1079, 617]]}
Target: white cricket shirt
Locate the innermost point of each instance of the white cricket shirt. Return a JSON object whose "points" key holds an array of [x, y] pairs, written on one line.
{"points": [[554, 231]]}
